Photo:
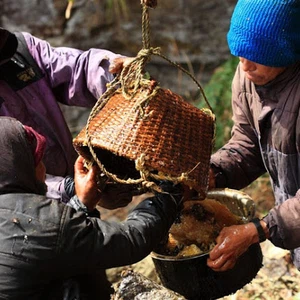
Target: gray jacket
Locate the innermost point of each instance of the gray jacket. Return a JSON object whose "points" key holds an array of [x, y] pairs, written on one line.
{"points": [[266, 138]]}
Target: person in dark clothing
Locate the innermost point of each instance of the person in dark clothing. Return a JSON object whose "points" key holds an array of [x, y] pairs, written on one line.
{"points": [[265, 137], [44, 242]]}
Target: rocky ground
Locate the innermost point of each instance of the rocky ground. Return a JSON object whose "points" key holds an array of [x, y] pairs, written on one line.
{"points": [[278, 279]]}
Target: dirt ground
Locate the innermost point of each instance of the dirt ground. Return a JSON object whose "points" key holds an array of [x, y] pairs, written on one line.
{"points": [[278, 279]]}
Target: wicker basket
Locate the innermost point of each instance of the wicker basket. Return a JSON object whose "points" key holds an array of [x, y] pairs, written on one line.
{"points": [[154, 135]]}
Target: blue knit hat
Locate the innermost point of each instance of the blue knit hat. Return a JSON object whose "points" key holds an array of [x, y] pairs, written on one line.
{"points": [[266, 31]]}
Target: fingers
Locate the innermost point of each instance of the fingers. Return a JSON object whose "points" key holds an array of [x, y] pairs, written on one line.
{"points": [[215, 252], [220, 259], [221, 264], [92, 174], [119, 63], [79, 163], [223, 256]]}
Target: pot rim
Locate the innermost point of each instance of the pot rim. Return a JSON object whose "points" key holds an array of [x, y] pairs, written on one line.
{"points": [[157, 256], [217, 194]]}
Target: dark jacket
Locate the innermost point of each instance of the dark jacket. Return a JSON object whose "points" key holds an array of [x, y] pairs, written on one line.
{"points": [[266, 138], [43, 241]]}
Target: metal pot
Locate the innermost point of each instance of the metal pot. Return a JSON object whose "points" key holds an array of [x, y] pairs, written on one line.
{"points": [[192, 278]]}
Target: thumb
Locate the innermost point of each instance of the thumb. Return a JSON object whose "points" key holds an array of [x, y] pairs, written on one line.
{"points": [[91, 176]]}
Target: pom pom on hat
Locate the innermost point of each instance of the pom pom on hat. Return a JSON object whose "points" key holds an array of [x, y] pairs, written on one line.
{"points": [[266, 31]]}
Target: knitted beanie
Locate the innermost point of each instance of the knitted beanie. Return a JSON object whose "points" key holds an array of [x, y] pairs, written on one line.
{"points": [[266, 31]]}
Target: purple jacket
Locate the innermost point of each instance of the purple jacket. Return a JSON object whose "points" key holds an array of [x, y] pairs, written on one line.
{"points": [[68, 76], [266, 138]]}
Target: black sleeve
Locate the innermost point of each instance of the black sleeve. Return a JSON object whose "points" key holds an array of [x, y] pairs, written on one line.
{"points": [[109, 244]]}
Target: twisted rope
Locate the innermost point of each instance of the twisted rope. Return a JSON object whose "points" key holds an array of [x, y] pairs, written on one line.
{"points": [[130, 81]]}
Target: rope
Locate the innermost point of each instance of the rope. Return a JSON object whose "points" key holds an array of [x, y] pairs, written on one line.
{"points": [[130, 81], [156, 51]]}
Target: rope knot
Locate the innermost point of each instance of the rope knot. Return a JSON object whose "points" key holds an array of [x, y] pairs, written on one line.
{"points": [[146, 53]]}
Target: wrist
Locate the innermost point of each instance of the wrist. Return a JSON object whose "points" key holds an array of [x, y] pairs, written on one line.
{"points": [[78, 205], [261, 230]]}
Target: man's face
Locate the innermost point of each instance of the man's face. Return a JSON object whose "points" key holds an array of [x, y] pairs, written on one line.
{"points": [[259, 74]]}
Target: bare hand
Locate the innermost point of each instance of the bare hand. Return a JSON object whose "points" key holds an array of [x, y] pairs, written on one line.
{"points": [[85, 184], [119, 63], [232, 242]]}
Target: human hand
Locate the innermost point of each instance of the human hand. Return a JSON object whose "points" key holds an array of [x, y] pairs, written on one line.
{"points": [[232, 242], [116, 195], [176, 191], [117, 65], [86, 184]]}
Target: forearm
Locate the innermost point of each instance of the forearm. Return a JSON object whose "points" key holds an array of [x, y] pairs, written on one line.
{"points": [[77, 77], [108, 244], [144, 229], [236, 165]]}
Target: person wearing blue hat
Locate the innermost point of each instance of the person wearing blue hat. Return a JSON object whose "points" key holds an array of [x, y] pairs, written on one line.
{"points": [[265, 35]]}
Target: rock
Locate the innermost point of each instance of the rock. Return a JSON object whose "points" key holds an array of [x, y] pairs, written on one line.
{"points": [[135, 286]]}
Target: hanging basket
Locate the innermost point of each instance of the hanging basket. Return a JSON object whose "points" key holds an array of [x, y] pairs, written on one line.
{"points": [[154, 135], [139, 133]]}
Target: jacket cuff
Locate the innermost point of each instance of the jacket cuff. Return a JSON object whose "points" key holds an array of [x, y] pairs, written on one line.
{"points": [[77, 204], [69, 188]]}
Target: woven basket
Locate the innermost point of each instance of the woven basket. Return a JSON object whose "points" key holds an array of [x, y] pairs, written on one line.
{"points": [[154, 135]]}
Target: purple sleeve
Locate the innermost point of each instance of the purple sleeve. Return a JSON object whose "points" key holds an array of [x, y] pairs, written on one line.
{"points": [[78, 78], [284, 225], [56, 188]]}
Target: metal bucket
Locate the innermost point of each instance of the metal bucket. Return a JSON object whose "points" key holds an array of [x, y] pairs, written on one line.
{"points": [[193, 279]]}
